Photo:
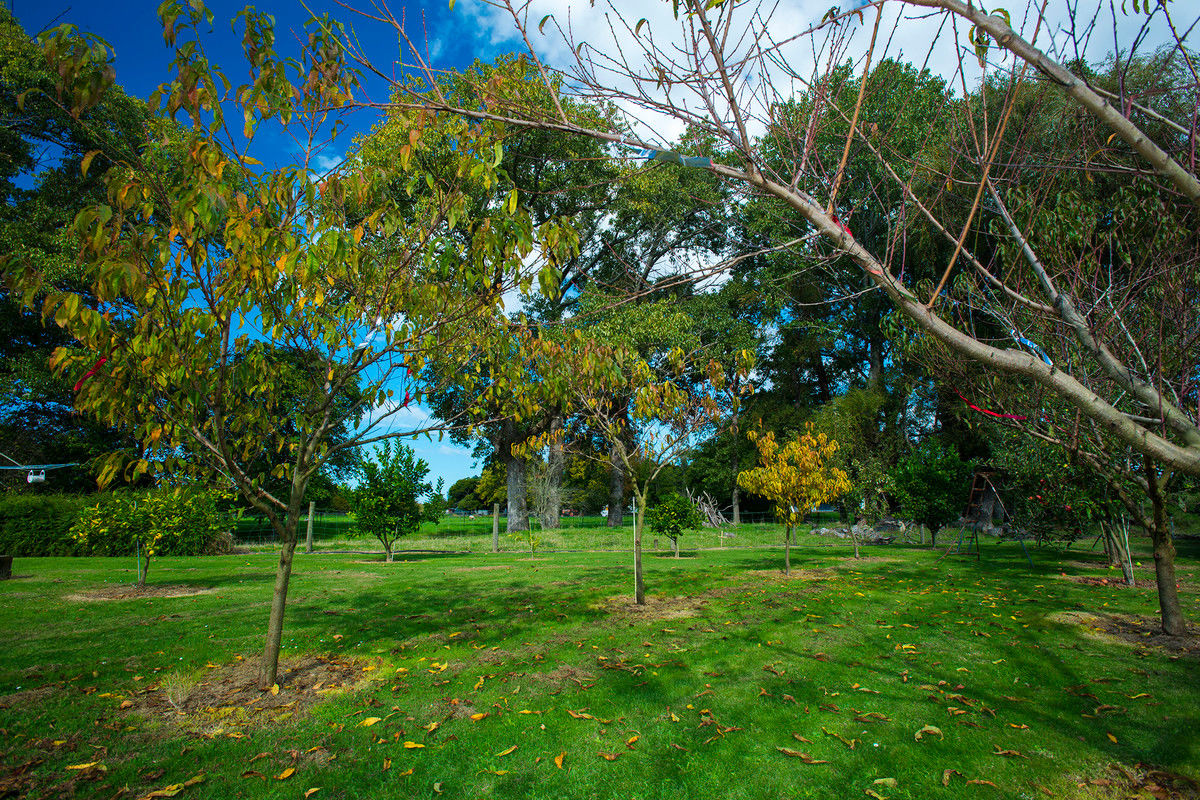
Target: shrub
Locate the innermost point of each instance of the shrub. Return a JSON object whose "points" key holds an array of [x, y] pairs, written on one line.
{"points": [[673, 515], [39, 524], [163, 522]]}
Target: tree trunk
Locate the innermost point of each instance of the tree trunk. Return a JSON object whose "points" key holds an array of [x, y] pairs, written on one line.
{"points": [[675, 545], [639, 587], [495, 527], [518, 509], [387, 549], [143, 568], [1173, 622], [308, 533], [616, 491], [787, 550], [555, 463], [283, 574]]}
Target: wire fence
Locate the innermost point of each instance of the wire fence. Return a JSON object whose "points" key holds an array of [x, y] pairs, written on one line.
{"points": [[335, 531]]}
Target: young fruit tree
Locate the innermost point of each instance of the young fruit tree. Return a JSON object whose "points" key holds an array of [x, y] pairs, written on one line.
{"points": [[672, 516], [668, 410], [796, 478], [204, 265], [387, 503], [753, 78]]}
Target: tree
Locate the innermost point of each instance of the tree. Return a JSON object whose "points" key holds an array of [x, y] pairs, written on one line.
{"points": [[41, 190], [672, 516], [387, 504], [204, 266], [931, 484], [707, 79], [665, 416], [796, 478]]}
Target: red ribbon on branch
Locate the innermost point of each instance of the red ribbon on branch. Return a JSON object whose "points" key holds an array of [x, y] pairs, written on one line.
{"points": [[989, 413]]}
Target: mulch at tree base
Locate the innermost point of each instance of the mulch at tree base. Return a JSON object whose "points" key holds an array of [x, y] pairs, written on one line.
{"points": [[1142, 781], [1143, 632], [230, 696], [126, 591]]}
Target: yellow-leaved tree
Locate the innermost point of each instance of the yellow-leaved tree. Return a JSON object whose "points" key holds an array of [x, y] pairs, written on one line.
{"points": [[796, 477]]}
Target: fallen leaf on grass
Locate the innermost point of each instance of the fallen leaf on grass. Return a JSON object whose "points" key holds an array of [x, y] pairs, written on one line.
{"points": [[631, 741], [253, 774], [493, 771], [387, 763], [479, 716], [88, 765], [873, 716], [800, 738], [981, 782], [890, 783], [848, 742], [437, 787], [805, 757], [1111, 738], [872, 793], [930, 730], [274, 689], [287, 773], [946, 773], [126, 704], [558, 760], [507, 752], [408, 771], [999, 751], [369, 721], [431, 727], [311, 792], [580, 714], [412, 745], [1021, 727], [609, 756]]}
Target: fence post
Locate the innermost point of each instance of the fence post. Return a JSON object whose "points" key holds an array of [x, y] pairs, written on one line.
{"points": [[308, 546], [495, 527]]}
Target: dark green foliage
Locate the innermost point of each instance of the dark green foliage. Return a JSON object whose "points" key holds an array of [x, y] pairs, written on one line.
{"points": [[39, 525], [673, 515], [387, 505], [932, 484]]}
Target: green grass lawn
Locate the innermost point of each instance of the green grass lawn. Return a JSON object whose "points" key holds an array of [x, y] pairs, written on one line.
{"points": [[469, 676]]}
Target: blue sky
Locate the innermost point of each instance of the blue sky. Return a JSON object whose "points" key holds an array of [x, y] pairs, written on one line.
{"points": [[142, 62]]}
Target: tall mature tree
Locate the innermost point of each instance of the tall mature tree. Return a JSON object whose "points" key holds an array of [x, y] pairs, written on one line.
{"points": [[41, 190], [204, 267], [711, 77]]}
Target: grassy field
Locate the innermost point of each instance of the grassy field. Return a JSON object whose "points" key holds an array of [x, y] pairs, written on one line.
{"points": [[468, 676]]}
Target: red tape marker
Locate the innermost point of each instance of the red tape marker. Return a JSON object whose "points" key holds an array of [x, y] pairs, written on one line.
{"points": [[989, 413], [91, 372]]}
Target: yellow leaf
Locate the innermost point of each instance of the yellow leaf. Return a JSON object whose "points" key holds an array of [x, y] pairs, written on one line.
{"points": [[287, 773], [1111, 738], [408, 771], [479, 716], [166, 791], [478, 684], [412, 745], [507, 752], [274, 689], [931, 730], [558, 760], [311, 792], [387, 763], [609, 756], [630, 742], [433, 726], [88, 765], [368, 722]]}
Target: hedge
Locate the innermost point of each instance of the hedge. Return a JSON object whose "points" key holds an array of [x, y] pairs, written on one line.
{"points": [[39, 524]]}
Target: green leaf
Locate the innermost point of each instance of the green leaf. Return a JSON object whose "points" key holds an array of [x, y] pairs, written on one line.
{"points": [[87, 162], [545, 19]]}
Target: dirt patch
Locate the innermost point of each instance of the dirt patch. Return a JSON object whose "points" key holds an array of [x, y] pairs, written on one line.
{"points": [[1138, 631], [228, 699], [622, 607], [27, 698], [796, 575], [564, 676], [126, 592], [1120, 583], [1141, 780], [484, 568]]}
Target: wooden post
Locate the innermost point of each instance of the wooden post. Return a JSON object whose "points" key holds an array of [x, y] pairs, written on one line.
{"points": [[308, 545], [5, 567], [495, 527]]}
